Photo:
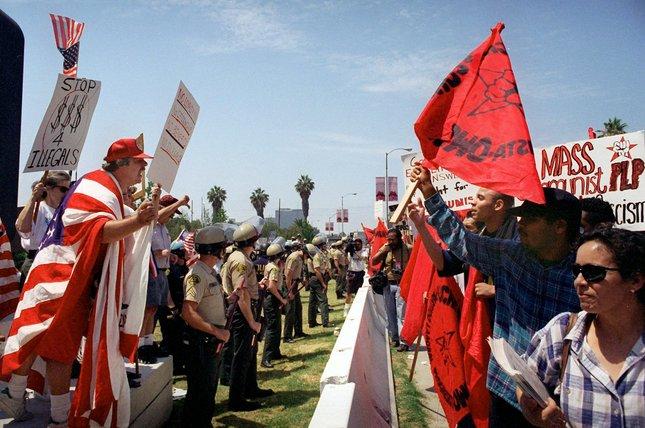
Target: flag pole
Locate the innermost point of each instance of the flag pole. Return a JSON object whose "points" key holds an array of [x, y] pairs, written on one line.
{"points": [[407, 197], [416, 351], [34, 216]]}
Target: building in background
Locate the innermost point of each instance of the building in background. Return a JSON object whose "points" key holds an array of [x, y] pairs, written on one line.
{"points": [[285, 217]]}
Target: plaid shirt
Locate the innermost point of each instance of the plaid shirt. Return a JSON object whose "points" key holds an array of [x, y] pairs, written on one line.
{"points": [[528, 294], [589, 398]]}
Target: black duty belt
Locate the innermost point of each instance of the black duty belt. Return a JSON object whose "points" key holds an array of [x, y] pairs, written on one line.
{"points": [[165, 271]]}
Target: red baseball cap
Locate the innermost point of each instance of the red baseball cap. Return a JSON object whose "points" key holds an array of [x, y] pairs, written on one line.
{"points": [[126, 148]]}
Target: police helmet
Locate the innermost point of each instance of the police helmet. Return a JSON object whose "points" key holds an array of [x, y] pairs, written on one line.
{"points": [[245, 235], [209, 240], [274, 250], [318, 240]]}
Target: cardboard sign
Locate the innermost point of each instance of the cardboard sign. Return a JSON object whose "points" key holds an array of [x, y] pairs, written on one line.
{"points": [[610, 168], [174, 138], [457, 193], [62, 132]]}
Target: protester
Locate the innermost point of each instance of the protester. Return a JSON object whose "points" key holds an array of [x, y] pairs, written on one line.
{"points": [[533, 280], [243, 376], [394, 255], [87, 231], [596, 213], [31, 224], [318, 284], [157, 294], [293, 278], [490, 209], [171, 324], [595, 360], [204, 311], [356, 256]]}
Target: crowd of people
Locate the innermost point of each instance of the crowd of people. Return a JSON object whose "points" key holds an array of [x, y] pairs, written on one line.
{"points": [[572, 305], [561, 285], [215, 300]]}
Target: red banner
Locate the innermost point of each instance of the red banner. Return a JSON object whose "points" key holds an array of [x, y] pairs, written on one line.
{"points": [[379, 239], [474, 124]]}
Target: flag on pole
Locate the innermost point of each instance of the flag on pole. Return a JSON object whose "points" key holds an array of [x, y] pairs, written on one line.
{"points": [[474, 124], [67, 34], [9, 276]]}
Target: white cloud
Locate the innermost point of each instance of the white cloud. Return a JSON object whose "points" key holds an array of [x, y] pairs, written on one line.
{"points": [[249, 25], [395, 72]]}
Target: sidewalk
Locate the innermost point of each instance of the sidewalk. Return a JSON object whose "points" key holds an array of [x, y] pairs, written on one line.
{"points": [[425, 384]]}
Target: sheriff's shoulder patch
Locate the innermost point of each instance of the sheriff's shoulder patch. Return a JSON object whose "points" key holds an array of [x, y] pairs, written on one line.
{"points": [[241, 268], [192, 280]]}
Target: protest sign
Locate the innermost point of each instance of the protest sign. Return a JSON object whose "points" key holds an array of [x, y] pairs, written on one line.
{"points": [[610, 168], [457, 193], [174, 138], [62, 132]]}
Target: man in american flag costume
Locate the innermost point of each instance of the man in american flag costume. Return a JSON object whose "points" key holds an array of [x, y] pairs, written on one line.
{"points": [[88, 279]]}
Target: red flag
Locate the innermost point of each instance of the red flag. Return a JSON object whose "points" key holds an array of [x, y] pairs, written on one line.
{"points": [[474, 124], [369, 233], [380, 238], [445, 349], [474, 329]]}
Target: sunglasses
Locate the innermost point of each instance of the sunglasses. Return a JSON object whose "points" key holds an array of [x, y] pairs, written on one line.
{"points": [[63, 189], [591, 273]]}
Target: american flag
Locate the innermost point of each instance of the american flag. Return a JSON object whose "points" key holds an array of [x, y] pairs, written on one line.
{"points": [[67, 33], [9, 276], [188, 239], [54, 308]]}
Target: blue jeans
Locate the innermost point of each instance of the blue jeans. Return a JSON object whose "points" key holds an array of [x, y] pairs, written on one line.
{"points": [[394, 309]]}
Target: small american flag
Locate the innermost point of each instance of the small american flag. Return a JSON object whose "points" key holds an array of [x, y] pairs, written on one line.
{"points": [[67, 33], [188, 239]]}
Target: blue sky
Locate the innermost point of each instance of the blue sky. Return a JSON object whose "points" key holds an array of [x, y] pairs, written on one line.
{"points": [[322, 88]]}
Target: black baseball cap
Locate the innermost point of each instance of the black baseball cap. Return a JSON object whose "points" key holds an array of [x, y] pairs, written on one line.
{"points": [[560, 204]]}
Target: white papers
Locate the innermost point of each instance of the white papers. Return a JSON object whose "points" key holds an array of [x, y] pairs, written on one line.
{"points": [[517, 368]]}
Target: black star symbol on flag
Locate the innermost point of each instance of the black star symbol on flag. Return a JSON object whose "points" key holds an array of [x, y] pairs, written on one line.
{"points": [[444, 344]]}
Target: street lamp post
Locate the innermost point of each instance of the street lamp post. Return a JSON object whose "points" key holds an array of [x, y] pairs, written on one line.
{"points": [[342, 211], [387, 187]]}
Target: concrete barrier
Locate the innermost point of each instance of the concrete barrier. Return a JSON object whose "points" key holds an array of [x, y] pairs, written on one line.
{"points": [[359, 370]]}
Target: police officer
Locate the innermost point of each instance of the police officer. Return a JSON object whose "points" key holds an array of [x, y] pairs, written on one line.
{"points": [[293, 271], [204, 311], [241, 273], [318, 282], [227, 351], [274, 273]]}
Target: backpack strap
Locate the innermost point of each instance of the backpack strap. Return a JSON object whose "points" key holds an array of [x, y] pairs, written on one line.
{"points": [[566, 344]]}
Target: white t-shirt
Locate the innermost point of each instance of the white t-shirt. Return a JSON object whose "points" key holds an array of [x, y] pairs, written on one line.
{"points": [[357, 261], [31, 241]]}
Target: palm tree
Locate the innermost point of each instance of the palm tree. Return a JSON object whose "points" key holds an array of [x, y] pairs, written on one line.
{"points": [[216, 196], [304, 187], [259, 199], [614, 126]]}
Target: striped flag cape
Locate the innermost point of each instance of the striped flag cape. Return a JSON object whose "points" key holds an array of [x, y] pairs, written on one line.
{"points": [[9, 276], [78, 286], [67, 34]]}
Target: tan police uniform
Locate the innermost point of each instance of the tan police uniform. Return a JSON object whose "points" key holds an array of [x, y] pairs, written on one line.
{"points": [[241, 268], [201, 286]]}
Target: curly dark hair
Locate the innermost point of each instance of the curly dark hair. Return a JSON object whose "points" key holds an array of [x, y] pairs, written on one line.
{"points": [[628, 250], [598, 211]]}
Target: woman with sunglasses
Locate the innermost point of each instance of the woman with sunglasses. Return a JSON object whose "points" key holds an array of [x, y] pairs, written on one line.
{"points": [[31, 224], [603, 350]]}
